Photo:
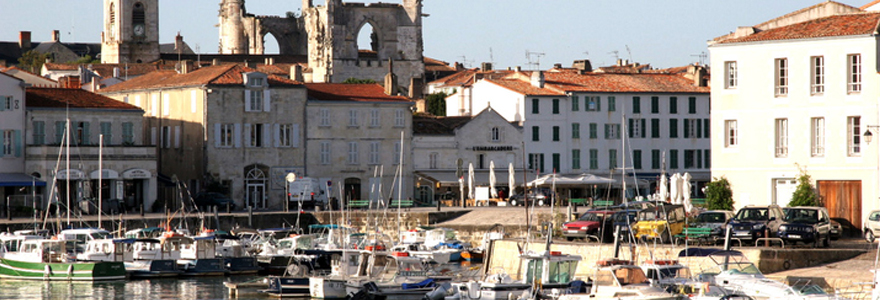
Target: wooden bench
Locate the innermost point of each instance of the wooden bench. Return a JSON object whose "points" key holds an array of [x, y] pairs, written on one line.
{"points": [[400, 203], [598, 203], [578, 201], [699, 234], [358, 203]]}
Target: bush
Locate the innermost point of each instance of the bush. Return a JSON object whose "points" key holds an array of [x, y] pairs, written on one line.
{"points": [[719, 195], [804, 194]]}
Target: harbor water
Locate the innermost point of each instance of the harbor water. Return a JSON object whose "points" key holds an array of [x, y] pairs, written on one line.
{"points": [[166, 288]]}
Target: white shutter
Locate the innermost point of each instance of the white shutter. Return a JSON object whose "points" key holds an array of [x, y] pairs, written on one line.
{"points": [[247, 100], [267, 100], [247, 135], [295, 133], [277, 135], [217, 135], [237, 135], [267, 135], [176, 136], [153, 136]]}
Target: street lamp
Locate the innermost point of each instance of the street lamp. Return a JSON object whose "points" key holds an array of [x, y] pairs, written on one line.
{"points": [[289, 178], [868, 135]]}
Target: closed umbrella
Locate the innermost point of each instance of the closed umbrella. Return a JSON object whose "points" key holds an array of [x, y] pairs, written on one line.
{"points": [[673, 188], [461, 188], [664, 188], [471, 181], [492, 190], [686, 192], [511, 183]]}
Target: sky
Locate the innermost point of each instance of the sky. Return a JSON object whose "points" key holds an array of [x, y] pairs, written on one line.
{"points": [[508, 33]]}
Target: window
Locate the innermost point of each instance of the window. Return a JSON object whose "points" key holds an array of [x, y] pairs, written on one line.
{"points": [[106, 133], [352, 118], [636, 128], [781, 75], [706, 159], [254, 100], [637, 105], [655, 105], [166, 137], [399, 118], [692, 105], [325, 117], [673, 128], [655, 128], [226, 135], [673, 159], [594, 159], [352, 153], [594, 131], [255, 81], [495, 134], [325, 153], [575, 130], [817, 137], [853, 132], [128, 133], [536, 134], [637, 159], [655, 159], [593, 103], [730, 138], [673, 105], [433, 159], [374, 118], [575, 103], [39, 132], [730, 81], [689, 157], [154, 105], [555, 133], [374, 153], [536, 161], [81, 135], [854, 73], [612, 103], [556, 162], [706, 128], [8, 142], [692, 128], [612, 131], [397, 153], [535, 106], [285, 134], [817, 78], [781, 137], [555, 106], [575, 159], [612, 159]]}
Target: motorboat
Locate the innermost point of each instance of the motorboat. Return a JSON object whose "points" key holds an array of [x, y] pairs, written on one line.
{"points": [[620, 279], [548, 269], [48, 259]]}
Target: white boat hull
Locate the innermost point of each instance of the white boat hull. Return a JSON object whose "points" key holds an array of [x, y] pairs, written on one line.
{"points": [[327, 288]]}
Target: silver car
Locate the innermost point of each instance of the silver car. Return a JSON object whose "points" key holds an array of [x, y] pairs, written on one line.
{"points": [[715, 220], [872, 225]]}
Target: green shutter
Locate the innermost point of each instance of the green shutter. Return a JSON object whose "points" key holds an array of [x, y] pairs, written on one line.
{"points": [[687, 127], [86, 134], [18, 143], [643, 128], [630, 129], [59, 132]]}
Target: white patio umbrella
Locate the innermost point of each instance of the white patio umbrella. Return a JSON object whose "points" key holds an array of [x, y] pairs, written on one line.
{"points": [[492, 191], [664, 188], [461, 187], [686, 191], [511, 182], [673, 188], [471, 181]]}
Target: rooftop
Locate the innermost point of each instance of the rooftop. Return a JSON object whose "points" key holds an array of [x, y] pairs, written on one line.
{"points": [[72, 98]]}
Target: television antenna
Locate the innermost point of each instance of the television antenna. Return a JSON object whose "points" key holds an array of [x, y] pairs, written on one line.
{"points": [[616, 55], [629, 53], [537, 60], [465, 61], [702, 57]]}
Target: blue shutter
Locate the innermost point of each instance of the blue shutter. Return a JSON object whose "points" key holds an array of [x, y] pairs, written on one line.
{"points": [[86, 134], [18, 143], [59, 132]]}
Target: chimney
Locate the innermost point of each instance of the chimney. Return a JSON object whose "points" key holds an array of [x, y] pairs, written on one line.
{"points": [[557, 66], [415, 88], [486, 67], [70, 82], [250, 64], [95, 85], [459, 66], [178, 42], [583, 66], [390, 79], [538, 79], [269, 61], [296, 73], [518, 69], [116, 72], [56, 36], [183, 67], [696, 73], [24, 40], [620, 62], [215, 62]]}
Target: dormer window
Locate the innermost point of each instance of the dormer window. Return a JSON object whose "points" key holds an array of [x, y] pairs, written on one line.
{"points": [[255, 82], [256, 93]]}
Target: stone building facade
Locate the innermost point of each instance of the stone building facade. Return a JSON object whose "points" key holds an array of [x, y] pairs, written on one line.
{"points": [[131, 31]]}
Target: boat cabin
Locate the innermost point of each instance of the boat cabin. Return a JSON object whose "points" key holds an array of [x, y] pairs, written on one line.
{"points": [[40, 251], [549, 267], [120, 250]]}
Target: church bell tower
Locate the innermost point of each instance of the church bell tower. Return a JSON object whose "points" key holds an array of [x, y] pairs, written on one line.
{"points": [[131, 31]]}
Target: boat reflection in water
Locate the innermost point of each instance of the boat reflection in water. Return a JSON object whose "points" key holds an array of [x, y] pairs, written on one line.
{"points": [[165, 288]]}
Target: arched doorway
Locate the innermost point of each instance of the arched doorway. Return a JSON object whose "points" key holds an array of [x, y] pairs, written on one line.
{"points": [[352, 189], [255, 186]]}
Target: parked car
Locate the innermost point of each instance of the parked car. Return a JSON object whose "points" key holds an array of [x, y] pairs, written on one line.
{"points": [[625, 219], [208, 199], [751, 222], [663, 222], [715, 220], [872, 226], [806, 224], [541, 196], [836, 230], [596, 223]]}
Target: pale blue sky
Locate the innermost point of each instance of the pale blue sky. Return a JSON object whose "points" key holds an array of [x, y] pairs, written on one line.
{"points": [[663, 33]]}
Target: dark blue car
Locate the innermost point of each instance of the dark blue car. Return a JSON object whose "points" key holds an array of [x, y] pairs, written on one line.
{"points": [[754, 222]]}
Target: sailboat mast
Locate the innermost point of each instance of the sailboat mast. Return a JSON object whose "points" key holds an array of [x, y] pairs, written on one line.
{"points": [[623, 155], [67, 166], [100, 177], [399, 185]]}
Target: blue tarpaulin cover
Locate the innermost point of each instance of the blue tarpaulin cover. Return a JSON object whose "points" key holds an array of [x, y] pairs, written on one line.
{"points": [[423, 284]]}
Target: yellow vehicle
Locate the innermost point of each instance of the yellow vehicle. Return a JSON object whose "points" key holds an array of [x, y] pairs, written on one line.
{"points": [[662, 221]]}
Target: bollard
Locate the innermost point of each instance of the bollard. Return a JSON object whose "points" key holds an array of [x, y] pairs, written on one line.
{"points": [[216, 217], [766, 235], [251, 216], [228, 207], [438, 204]]}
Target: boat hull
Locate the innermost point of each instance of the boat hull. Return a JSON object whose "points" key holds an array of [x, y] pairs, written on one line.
{"points": [[156, 268], [75, 271], [327, 288], [202, 267]]}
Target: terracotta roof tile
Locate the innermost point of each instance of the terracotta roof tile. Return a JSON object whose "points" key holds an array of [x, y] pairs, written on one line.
{"points": [[839, 25], [61, 67], [622, 83], [229, 74], [351, 92], [73, 98], [431, 125], [525, 87]]}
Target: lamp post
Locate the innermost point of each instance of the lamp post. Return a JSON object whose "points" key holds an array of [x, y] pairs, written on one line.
{"points": [[289, 178]]}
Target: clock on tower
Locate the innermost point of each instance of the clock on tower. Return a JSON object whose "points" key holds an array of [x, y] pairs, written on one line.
{"points": [[131, 31]]}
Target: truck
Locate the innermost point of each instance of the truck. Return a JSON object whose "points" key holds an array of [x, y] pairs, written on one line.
{"points": [[310, 192]]}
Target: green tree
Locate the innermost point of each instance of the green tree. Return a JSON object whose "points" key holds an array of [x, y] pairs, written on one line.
{"points": [[358, 81], [84, 60], [436, 104], [804, 194], [32, 61], [719, 195]]}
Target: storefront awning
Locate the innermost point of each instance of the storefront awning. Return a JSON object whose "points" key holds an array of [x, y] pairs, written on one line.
{"points": [[19, 179], [481, 177]]}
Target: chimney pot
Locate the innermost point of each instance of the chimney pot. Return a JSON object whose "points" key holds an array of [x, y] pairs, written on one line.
{"points": [[557, 66], [24, 40], [296, 73], [56, 36], [215, 62], [486, 66]]}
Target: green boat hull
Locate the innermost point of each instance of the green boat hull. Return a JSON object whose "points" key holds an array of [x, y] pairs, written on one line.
{"points": [[76, 271]]}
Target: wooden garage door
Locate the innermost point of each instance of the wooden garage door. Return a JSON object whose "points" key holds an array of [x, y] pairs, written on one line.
{"points": [[843, 198]]}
